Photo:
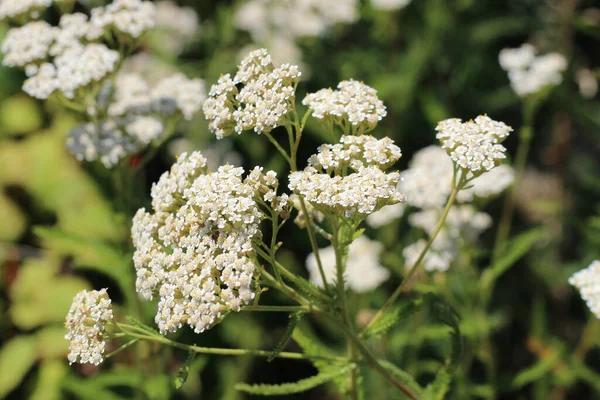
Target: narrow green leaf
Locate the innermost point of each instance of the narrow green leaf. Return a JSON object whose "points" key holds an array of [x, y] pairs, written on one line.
{"points": [[184, 370], [402, 376], [294, 387], [535, 372], [287, 335], [358, 234], [392, 317], [516, 248]]}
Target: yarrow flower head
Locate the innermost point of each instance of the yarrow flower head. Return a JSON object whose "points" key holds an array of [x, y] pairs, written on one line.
{"points": [[27, 44], [363, 269], [354, 105], [86, 326], [292, 19], [262, 104], [74, 69], [15, 9], [587, 281], [195, 252], [474, 145], [122, 17], [359, 193], [530, 73]]}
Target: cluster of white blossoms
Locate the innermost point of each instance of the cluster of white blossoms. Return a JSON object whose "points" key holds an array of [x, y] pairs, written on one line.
{"points": [[122, 17], [363, 269], [263, 103], [388, 5], [64, 58], [463, 224], [427, 184], [86, 326], [587, 281], [359, 193], [195, 252], [278, 24], [354, 103], [15, 9], [530, 73], [265, 19], [474, 145], [137, 115], [176, 26]]}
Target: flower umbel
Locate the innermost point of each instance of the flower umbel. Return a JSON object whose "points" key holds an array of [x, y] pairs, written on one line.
{"points": [[196, 251], [474, 145], [86, 326], [587, 281]]}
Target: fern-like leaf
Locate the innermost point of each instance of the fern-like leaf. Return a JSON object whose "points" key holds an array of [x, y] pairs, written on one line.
{"points": [[142, 326], [184, 370], [293, 387], [287, 335], [392, 317]]}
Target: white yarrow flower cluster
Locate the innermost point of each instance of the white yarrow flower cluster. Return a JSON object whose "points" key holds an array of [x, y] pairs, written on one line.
{"points": [[264, 101], [122, 17], [587, 281], [137, 115], [354, 103], [27, 44], [74, 69], [195, 252], [86, 326], [177, 26], [13, 9], [359, 193], [107, 141], [363, 269], [463, 224], [474, 145], [292, 19], [530, 73]]}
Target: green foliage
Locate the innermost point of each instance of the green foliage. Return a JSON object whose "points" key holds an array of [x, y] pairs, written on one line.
{"points": [[514, 250], [184, 370], [393, 317], [17, 356], [295, 387], [287, 335], [40, 295]]}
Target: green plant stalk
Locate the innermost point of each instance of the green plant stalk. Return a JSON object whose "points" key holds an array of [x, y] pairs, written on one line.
{"points": [[369, 357], [525, 136], [275, 308], [293, 277], [341, 289], [390, 301], [137, 333]]}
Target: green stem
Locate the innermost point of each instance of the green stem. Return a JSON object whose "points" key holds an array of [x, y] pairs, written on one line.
{"points": [[293, 278], [275, 308], [278, 146], [419, 261], [233, 352], [341, 289]]}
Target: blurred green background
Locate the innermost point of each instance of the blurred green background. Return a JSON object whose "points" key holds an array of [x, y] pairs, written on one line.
{"points": [[62, 227]]}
